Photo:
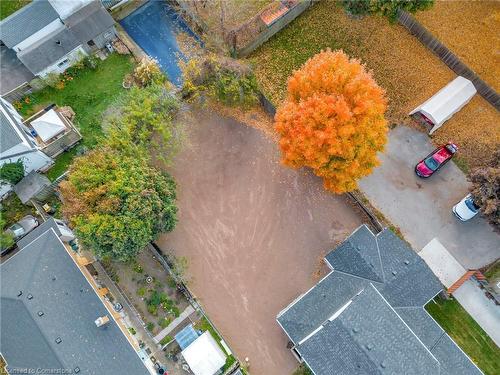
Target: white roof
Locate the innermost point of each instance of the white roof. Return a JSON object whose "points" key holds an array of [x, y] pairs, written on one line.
{"points": [[447, 101], [204, 356], [442, 263], [48, 125]]}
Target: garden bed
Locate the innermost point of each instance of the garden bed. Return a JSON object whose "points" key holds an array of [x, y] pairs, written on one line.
{"points": [[88, 92], [468, 335], [150, 289], [408, 71]]}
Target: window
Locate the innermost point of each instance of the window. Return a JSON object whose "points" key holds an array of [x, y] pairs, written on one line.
{"points": [[63, 63], [431, 163], [91, 43]]}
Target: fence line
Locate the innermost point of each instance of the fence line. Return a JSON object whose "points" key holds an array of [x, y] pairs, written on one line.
{"points": [[449, 58]]}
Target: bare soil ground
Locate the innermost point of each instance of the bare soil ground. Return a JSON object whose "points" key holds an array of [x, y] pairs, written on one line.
{"points": [[254, 233]]}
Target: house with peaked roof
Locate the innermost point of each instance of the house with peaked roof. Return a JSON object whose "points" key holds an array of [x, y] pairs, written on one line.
{"points": [[367, 315], [49, 35], [48, 313], [18, 144]]}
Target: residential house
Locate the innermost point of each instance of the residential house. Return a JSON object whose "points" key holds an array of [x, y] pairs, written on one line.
{"points": [[49, 35], [48, 313], [367, 315], [16, 143]]}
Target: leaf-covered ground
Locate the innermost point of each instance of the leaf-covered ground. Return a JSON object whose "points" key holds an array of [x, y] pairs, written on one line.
{"points": [[400, 63], [471, 30]]}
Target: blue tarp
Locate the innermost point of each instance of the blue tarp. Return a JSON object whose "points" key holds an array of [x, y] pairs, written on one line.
{"points": [[186, 336], [153, 27]]}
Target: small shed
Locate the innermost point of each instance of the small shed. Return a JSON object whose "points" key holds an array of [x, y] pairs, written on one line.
{"points": [[445, 103], [204, 356], [48, 125], [31, 186]]}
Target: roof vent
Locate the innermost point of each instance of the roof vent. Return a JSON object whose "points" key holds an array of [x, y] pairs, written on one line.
{"points": [[394, 273], [58, 42], [54, 278], [76, 370], [355, 329], [30, 296], [407, 262], [382, 364], [369, 346], [20, 293], [40, 313], [58, 340]]}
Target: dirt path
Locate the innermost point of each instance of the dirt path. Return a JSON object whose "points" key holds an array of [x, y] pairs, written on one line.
{"points": [[254, 233]]}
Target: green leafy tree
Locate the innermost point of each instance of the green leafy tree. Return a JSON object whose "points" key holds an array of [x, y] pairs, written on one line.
{"points": [[388, 8], [12, 172], [6, 239], [144, 117], [117, 202]]}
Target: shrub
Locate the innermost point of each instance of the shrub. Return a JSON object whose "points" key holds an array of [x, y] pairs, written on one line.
{"points": [[387, 8], [148, 72], [141, 292], [166, 340], [150, 326], [221, 78], [12, 172], [332, 120], [132, 331], [164, 322], [138, 268], [153, 309], [51, 79]]}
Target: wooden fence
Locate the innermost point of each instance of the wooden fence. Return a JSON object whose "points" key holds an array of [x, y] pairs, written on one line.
{"points": [[448, 57]]}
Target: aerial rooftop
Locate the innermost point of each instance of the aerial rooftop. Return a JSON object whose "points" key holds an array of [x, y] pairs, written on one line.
{"points": [[367, 315], [48, 309]]}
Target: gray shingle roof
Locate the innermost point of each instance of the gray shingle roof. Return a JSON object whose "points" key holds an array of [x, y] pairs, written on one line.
{"points": [[89, 21], [26, 21], [48, 50], [372, 333], [43, 269], [388, 285], [8, 135]]}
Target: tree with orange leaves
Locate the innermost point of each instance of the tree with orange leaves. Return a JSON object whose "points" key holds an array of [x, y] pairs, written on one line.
{"points": [[333, 120]]}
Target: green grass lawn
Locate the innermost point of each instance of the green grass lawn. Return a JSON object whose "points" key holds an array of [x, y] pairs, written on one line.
{"points": [[89, 94], [7, 7], [467, 334]]}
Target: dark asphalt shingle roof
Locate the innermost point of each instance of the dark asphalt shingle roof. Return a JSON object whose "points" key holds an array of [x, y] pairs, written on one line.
{"points": [[26, 21], [43, 269], [8, 135], [372, 333], [388, 284], [89, 21], [30, 186], [48, 50]]}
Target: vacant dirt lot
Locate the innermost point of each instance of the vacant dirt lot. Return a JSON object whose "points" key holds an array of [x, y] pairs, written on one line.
{"points": [[254, 233]]}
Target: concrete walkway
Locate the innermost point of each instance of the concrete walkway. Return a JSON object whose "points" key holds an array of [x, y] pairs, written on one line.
{"points": [[483, 310], [422, 208], [183, 316]]}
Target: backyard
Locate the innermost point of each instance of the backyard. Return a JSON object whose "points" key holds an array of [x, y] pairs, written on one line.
{"points": [[150, 289], [467, 334], [89, 92], [408, 72], [254, 233]]}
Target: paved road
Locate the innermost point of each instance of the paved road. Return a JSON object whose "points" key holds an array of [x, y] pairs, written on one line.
{"points": [[422, 208]]}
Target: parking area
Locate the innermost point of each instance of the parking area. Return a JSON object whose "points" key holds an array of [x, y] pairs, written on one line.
{"points": [[422, 208], [254, 233]]}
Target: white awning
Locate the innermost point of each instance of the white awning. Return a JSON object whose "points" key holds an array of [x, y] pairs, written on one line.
{"points": [[442, 263], [447, 101], [48, 125], [204, 356]]}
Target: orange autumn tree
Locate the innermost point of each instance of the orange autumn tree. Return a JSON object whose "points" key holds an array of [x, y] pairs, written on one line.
{"points": [[333, 120]]}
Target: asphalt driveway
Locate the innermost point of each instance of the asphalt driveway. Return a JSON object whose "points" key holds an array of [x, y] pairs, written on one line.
{"points": [[421, 208], [254, 233]]}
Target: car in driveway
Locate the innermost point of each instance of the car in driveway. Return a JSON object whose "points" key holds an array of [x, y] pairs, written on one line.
{"points": [[22, 227], [435, 160], [466, 209]]}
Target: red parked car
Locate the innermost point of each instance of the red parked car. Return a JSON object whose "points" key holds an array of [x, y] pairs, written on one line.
{"points": [[435, 160]]}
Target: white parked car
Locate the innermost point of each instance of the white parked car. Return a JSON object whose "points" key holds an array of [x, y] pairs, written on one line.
{"points": [[466, 209]]}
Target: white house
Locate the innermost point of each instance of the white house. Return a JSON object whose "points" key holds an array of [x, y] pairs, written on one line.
{"points": [[49, 35], [16, 143]]}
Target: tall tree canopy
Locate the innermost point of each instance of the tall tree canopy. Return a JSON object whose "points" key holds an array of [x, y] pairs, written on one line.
{"points": [[486, 189], [333, 120], [117, 202], [388, 8]]}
